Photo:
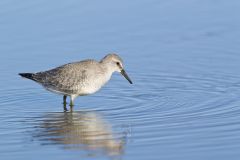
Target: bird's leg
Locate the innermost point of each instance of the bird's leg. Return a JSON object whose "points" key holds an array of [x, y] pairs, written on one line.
{"points": [[71, 101], [65, 108], [64, 99], [72, 97], [65, 103], [71, 106]]}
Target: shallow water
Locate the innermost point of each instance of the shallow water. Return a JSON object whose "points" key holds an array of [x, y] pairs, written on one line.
{"points": [[182, 56]]}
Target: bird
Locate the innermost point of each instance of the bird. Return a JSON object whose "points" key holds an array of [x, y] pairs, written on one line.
{"points": [[79, 78]]}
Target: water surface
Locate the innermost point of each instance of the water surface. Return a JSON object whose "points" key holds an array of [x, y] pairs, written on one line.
{"points": [[182, 56]]}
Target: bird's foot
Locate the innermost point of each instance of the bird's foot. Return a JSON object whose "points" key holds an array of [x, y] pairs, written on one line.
{"points": [[65, 107]]}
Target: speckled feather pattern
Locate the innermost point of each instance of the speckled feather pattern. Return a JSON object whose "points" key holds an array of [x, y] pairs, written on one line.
{"points": [[80, 78]]}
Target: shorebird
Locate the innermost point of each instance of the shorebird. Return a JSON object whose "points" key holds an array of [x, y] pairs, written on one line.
{"points": [[79, 78]]}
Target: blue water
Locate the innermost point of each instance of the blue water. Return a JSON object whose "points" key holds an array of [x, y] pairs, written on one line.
{"points": [[182, 55]]}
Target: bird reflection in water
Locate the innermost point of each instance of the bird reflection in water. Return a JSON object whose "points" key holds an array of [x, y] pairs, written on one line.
{"points": [[81, 131]]}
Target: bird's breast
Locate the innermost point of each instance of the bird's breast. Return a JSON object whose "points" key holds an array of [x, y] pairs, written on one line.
{"points": [[92, 85]]}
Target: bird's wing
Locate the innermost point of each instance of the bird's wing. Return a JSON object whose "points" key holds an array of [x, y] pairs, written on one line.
{"points": [[67, 77]]}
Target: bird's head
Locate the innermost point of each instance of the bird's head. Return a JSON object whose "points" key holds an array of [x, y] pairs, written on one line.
{"points": [[115, 64]]}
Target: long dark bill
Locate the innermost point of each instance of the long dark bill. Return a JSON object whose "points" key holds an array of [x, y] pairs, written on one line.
{"points": [[126, 76]]}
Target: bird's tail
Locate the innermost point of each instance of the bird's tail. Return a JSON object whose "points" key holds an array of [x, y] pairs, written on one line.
{"points": [[27, 75]]}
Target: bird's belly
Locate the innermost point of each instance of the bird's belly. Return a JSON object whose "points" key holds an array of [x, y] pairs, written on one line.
{"points": [[90, 88], [78, 90], [57, 91]]}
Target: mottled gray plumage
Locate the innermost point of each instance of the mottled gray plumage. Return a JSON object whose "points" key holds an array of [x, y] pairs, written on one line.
{"points": [[79, 78]]}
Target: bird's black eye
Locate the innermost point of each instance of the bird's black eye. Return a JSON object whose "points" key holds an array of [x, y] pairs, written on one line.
{"points": [[118, 63]]}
